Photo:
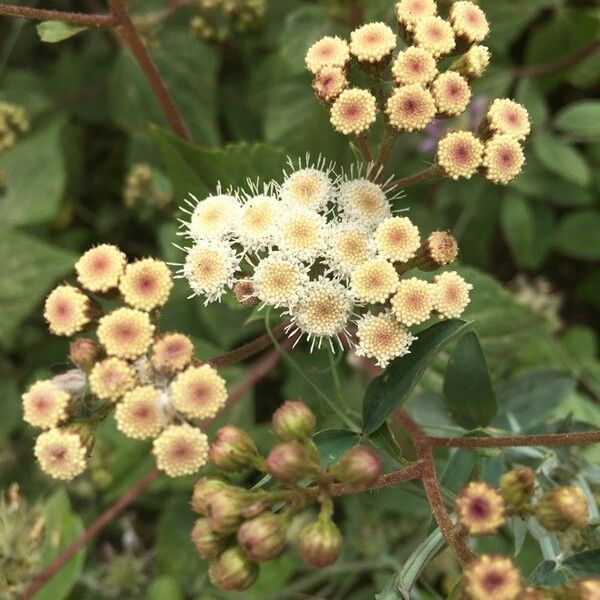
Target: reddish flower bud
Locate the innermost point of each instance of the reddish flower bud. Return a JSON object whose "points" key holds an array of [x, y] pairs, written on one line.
{"points": [[320, 543], [358, 466], [289, 462], [562, 508], [208, 543], [224, 509], [516, 486], [263, 537], [244, 293], [232, 449], [293, 421], [233, 570], [584, 589], [84, 353], [202, 488]]}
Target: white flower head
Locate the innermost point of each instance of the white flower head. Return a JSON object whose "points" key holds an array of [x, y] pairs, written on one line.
{"points": [[309, 185], [213, 217], [279, 280], [348, 245], [363, 201], [257, 224], [301, 233]]}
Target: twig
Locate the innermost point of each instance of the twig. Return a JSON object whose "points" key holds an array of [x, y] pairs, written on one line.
{"points": [[574, 438], [363, 146], [423, 175], [383, 153], [555, 66], [39, 14]]}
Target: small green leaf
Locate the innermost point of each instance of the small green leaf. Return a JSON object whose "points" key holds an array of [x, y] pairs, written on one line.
{"points": [[468, 391], [392, 388], [529, 95], [577, 235], [332, 443], [384, 439], [559, 156], [57, 31], [552, 573], [580, 118]]}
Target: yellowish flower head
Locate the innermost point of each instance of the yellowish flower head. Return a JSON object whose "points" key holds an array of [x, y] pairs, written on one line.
{"points": [[100, 268], [146, 284], [180, 450], [139, 415], [60, 453], [329, 83], [363, 201], [469, 21], [307, 188], [451, 93], [410, 107], [354, 111], [509, 117], [451, 294], [503, 158], [409, 12], [257, 224], [489, 576], [301, 233], [329, 51], [441, 248], [111, 378], [45, 404], [348, 246], [584, 589], [382, 338], [278, 280], [397, 239], [198, 392], [372, 42], [475, 61], [414, 65], [480, 508], [66, 310], [214, 217], [374, 281], [172, 352], [125, 332], [435, 35], [459, 154], [413, 301]]}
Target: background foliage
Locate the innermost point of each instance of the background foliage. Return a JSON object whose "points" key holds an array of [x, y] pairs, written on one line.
{"points": [[530, 250]]}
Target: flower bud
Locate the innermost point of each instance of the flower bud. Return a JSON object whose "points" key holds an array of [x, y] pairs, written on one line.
{"points": [[84, 353], [232, 449], [208, 543], [531, 593], [293, 421], [562, 508], [358, 466], [233, 570], [289, 462], [516, 486], [320, 543], [202, 488], [255, 509], [224, 509], [243, 291], [263, 537], [583, 589], [438, 250]]}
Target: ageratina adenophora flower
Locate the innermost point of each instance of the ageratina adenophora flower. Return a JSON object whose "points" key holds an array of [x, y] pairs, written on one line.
{"points": [[358, 466], [45, 404], [327, 52], [397, 239], [111, 378], [490, 576], [563, 508], [413, 301], [198, 392], [139, 414], [146, 284], [60, 453], [474, 62], [480, 508], [99, 269], [509, 117], [584, 589], [374, 281], [67, 310], [372, 43], [451, 294], [180, 450], [459, 154], [414, 65], [354, 111], [329, 83], [435, 35], [410, 107], [451, 93], [469, 21], [409, 12], [503, 158]]}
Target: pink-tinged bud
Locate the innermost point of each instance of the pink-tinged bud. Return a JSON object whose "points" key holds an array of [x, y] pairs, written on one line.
{"points": [[289, 462], [262, 538], [84, 353], [202, 488], [255, 509], [562, 508], [233, 570], [223, 509], [320, 543], [584, 589], [516, 486], [293, 421], [208, 543], [244, 292], [232, 449], [358, 466]]}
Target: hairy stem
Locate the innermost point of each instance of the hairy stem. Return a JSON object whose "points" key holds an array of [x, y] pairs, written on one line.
{"points": [[550, 439], [40, 14], [383, 154], [429, 173], [363, 146]]}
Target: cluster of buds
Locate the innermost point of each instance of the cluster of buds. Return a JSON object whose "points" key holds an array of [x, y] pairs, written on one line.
{"points": [[13, 122], [219, 20], [411, 89], [495, 576], [239, 528], [141, 185], [483, 509], [149, 379], [328, 252]]}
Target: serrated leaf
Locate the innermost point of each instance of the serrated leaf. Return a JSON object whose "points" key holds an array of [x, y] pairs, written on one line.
{"points": [[391, 389], [57, 31]]}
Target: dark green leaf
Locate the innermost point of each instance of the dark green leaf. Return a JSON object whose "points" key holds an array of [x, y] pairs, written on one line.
{"points": [[559, 156], [529, 95], [391, 389], [332, 443], [384, 439], [57, 31], [580, 118], [577, 235], [582, 564]]}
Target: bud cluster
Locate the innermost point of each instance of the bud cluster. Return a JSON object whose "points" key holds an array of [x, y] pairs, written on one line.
{"points": [[219, 20], [149, 379], [238, 528], [413, 87], [142, 184], [328, 252], [13, 123]]}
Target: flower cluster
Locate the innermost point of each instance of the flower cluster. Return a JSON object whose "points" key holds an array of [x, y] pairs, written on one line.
{"points": [[411, 89], [218, 20], [142, 183], [238, 528], [329, 253], [150, 379], [13, 122]]}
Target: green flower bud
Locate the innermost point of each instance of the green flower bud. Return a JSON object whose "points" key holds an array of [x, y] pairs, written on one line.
{"points": [[289, 462], [263, 537], [233, 570], [562, 508], [208, 543], [516, 486], [232, 449], [320, 543], [224, 509], [202, 488], [293, 421], [358, 466]]}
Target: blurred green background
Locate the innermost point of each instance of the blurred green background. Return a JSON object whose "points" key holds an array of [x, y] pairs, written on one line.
{"points": [[91, 169]]}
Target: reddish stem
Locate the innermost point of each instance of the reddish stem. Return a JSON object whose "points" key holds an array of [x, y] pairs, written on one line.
{"points": [[429, 173], [550, 439], [40, 14]]}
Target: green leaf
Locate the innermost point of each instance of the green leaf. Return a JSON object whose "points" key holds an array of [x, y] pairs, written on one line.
{"points": [[384, 439], [332, 443], [468, 391], [580, 118], [164, 588], [529, 95], [197, 170], [560, 157], [392, 388], [62, 527], [35, 173], [29, 268], [57, 31], [577, 235], [552, 573]]}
